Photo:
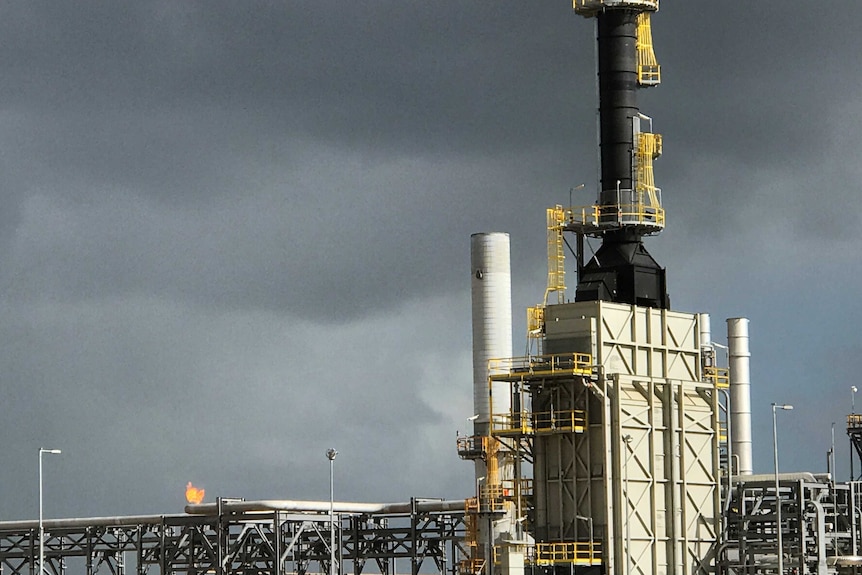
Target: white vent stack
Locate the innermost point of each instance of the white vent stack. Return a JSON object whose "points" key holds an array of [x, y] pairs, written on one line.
{"points": [[705, 330], [740, 392], [491, 289]]}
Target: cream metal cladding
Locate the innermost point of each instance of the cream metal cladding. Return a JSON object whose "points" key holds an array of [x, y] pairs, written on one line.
{"points": [[649, 457]]}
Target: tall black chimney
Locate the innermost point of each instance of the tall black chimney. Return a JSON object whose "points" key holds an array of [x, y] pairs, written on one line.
{"points": [[629, 204]]}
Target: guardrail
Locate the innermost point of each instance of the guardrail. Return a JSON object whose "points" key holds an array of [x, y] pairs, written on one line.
{"points": [[505, 369]]}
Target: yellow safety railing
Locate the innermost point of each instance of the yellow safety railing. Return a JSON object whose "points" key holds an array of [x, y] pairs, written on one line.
{"points": [[722, 431], [719, 376], [575, 553], [512, 423], [648, 149], [505, 369], [640, 214], [649, 71], [529, 423], [854, 421], [472, 446], [492, 498], [535, 321], [471, 566], [471, 505], [559, 420], [598, 217]]}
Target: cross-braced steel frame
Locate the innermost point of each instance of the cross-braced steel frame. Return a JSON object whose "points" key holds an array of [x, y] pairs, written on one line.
{"points": [[249, 543]]}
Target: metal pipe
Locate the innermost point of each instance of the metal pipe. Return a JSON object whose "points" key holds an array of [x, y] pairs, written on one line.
{"points": [[323, 506], [739, 360], [116, 521], [730, 455], [618, 84], [238, 506], [705, 329], [491, 295]]}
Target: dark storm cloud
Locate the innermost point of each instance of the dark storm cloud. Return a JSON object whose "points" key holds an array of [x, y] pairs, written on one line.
{"points": [[399, 123], [751, 102], [449, 76]]}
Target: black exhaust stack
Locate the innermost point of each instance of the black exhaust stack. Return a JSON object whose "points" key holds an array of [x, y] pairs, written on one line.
{"points": [[622, 270]]}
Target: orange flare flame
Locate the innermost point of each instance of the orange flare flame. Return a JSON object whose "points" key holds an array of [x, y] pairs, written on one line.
{"points": [[193, 494]]}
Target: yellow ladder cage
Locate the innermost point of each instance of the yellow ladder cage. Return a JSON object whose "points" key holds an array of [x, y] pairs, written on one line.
{"points": [[649, 71]]}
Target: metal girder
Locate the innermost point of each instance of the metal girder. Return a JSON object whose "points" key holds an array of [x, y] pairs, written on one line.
{"points": [[272, 542]]}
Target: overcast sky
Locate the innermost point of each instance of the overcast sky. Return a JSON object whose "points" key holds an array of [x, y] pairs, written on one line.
{"points": [[234, 234]]}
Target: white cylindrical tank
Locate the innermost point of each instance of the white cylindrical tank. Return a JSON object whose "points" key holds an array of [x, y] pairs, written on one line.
{"points": [[491, 289], [740, 392], [705, 330]]}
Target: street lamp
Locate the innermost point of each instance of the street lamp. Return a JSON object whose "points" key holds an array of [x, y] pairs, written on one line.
{"points": [[775, 407], [330, 454], [41, 528], [853, 391]]}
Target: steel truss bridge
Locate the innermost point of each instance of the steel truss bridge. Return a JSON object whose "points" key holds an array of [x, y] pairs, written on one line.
{"points": [[247, 541]]}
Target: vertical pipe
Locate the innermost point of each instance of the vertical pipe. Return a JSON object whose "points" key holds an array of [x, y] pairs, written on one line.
{"points": [[41, 528], [491, 291], [778, 527], [705, 328], [491, 294], [740, 392], [618, 84]]}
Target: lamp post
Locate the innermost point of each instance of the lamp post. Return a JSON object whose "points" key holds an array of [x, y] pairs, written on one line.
{"points": [[853, 391], [775, 407], [42, 450], [330, 454]]}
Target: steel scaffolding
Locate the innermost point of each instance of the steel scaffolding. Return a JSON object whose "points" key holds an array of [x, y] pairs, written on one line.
{"points": [[273, 542]]}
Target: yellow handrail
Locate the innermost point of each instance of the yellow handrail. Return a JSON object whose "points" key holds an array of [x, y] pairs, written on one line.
{"points": [[576, 553], [529, 423], [471, 566], [649, 71], [719, 376], [472, 446], [556, 364], [597, 217]]}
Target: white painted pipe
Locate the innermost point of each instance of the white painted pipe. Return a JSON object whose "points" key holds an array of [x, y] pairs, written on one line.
{"points": [[740, 392], [491, 290], [705, 330], [323, 506], [240, 506]]}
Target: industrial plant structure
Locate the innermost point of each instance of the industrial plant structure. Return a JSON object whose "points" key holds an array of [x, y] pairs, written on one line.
{"points": [[618, 445]]}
